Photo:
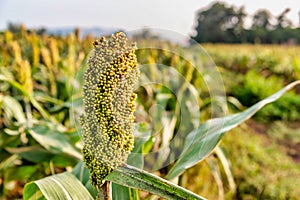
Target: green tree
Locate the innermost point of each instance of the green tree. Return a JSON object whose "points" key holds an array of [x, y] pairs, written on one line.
{"points": [[262, 19], [261, 27], [219, 23], [282, 20], [283, 31]]}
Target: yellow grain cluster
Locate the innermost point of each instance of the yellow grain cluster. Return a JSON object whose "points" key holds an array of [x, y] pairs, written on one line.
{"points": [[109, 104]]}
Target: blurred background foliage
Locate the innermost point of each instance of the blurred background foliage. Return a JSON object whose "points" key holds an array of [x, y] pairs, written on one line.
{"points": [[40, 101], [223, 23]]}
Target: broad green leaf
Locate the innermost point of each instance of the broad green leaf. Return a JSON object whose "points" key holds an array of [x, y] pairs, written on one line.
{"points": [[61, 186], [141, 136], [202, 141], [8, 162], [81, 172], [120, 192], [11, 132], [38, 154], [124, 193], [20, 172], [74, 102], [83, 175], [18, 86], [63, 160], [53, 140], [130, 176], [12, 108], [32, 192], [32, 153]]}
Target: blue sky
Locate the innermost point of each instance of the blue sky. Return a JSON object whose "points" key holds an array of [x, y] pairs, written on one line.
{"points": [[175, 15]]}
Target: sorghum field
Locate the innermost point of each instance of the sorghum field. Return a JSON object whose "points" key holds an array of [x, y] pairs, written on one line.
{"points": [[41, 99]]}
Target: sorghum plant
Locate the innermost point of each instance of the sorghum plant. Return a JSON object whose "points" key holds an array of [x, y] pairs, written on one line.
{"points": [[109, 104]]}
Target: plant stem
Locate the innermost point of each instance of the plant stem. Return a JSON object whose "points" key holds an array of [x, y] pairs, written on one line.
{"points": [[28, 112], [105, 191]]}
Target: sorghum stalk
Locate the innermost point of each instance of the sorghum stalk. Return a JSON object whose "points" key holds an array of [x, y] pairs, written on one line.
{"points": [[109, 104]]}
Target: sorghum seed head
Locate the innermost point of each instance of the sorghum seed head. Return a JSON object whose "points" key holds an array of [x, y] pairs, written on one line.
{"points": [[109, 104]]}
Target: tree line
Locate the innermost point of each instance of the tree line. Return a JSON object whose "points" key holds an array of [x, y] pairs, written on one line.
{"points": [[221, 23]]}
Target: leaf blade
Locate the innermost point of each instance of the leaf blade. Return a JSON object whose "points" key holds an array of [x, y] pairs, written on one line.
{"points": [[54, 141], [132, 177], [60, 186], [202, 141]]}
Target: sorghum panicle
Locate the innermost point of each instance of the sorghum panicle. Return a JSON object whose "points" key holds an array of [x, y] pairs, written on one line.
{"points": [[109, 104]]}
